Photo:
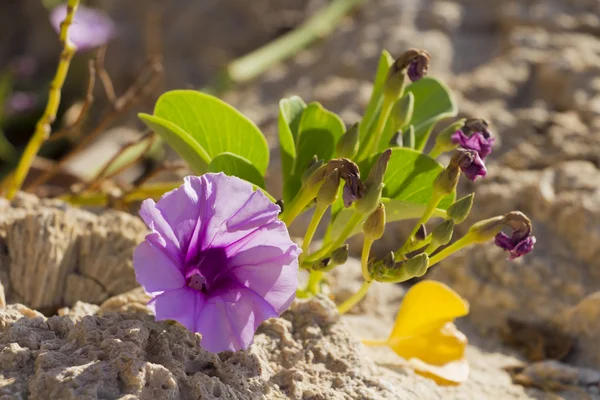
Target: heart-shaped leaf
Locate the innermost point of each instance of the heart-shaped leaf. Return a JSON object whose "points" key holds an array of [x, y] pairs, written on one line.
{"points": [[232, 164], [410, 175], [372, 110], [215, 125], [187, 148], [433, 102], [318, 132], [290, 113]]}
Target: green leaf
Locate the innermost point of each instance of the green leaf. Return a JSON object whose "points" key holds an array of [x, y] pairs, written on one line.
{"points": [[395, 210], [433, 102], [318, 132], [215, 125], [371, 112], [180, 141], [290, 113], [410, 177], [232, 164]]}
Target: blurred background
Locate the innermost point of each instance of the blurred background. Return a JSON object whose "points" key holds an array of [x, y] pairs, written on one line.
{"points": [[531, 67]]}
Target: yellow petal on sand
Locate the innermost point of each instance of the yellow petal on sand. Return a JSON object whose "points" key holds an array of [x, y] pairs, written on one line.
{"points": [[427, 306], [437, 348], [449, 374]]}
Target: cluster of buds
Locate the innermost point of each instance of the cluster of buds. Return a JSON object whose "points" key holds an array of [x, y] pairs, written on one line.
{"points": [[390, 271]]}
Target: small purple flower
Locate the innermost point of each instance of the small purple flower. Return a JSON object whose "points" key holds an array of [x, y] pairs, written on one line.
{"points": [[516, 245], [218, 259], [91, 27], [472, 166], [348, 195], [478, 141]]}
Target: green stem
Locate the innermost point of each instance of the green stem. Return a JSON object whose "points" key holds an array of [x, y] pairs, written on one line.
{"points": [[43, 129], [314, 282], [352, 223], [310, 231], [453, 248], [373, 141], [364, 259], [429, 210], [320, 25], [297, 205], [355, 298]]}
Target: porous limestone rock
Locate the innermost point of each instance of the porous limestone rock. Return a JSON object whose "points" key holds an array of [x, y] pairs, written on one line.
{"points": [[52, 255]]}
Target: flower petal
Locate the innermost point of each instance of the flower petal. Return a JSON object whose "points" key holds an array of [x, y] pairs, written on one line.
{"points": [[165, 237], [269, 271], [91, 27], [427, 306], [229, 321], [155, 270], [439, 347], [452, 373], [179, 305]]}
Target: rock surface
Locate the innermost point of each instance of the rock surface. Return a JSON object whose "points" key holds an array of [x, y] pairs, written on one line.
{"points": [[52, 255]]}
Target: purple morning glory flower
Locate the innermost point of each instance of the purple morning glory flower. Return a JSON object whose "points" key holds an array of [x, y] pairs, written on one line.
{"points": [[516, 245], [472, 166], [478, 141], [218, 259], [91, 27]]}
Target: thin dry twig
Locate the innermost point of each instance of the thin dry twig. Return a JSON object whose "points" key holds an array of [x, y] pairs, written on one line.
{"points": [[107, 84], [87, 102], [141, 88], [102, 175]]}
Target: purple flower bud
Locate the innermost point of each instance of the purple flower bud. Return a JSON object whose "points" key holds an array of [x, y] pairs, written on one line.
{"points": [[472, 166], [218, 260], [515, 245], [91, 27], [350, 193], [478, 141]]}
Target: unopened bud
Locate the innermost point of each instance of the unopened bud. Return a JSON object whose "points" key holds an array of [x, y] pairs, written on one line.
{"points": [[461, 208], [397, 140], [374, 226], [443, 141], [340, 255], [421, 233], [417, 266], [409, 137], [374, 184], [329, 189], [311, 168], [446, 181], [442, 234], [403, 111], [485, 230], [347, 146], [413, 63]]}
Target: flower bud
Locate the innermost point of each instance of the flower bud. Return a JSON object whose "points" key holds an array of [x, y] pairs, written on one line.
{"points": [[347, 146], [442, 234], [461, 208], [487, 229], [314, 165], [475, 135], [403, 111], [413, 63], [421, 233], [329, 189], [417, 266], [374, 184], [409, 137], [374, 226], [397, 140], [444, 141], [340, 255]]}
